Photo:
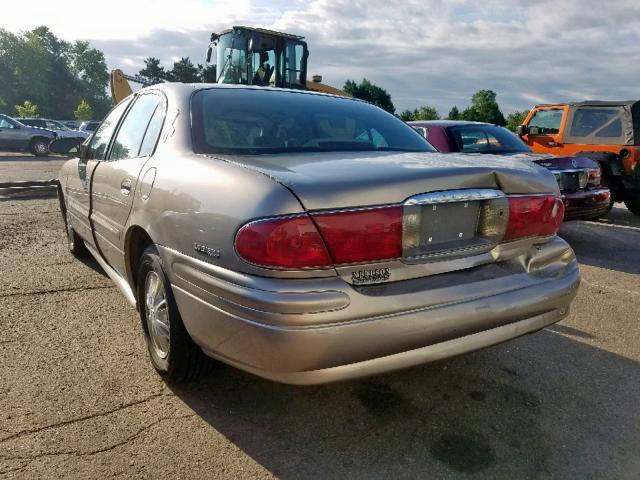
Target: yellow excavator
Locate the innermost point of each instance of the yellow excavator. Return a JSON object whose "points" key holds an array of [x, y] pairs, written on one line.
{"points": [[248, 56]]}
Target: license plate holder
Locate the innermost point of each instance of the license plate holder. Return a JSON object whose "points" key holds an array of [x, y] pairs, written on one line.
{"points": [[448, 224], [453, 223]]}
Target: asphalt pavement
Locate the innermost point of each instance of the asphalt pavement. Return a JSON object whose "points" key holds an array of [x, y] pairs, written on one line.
{"points": [[80, 399]]}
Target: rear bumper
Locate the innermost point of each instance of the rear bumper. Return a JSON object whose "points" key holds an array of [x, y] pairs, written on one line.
{"points": [[586, 203], [341, 332]]}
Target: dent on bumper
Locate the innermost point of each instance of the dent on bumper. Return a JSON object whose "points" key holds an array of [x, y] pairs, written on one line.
{"points": [[343, 332]]}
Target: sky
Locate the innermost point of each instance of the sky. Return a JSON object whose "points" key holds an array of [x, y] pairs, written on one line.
{"points": [[427, 52]]}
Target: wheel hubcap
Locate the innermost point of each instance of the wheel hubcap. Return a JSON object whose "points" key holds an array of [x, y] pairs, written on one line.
{"points": [[157, 314], [41, 148]]}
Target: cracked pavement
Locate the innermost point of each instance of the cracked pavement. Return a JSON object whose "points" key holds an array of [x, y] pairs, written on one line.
{"points": [[80, 399]]}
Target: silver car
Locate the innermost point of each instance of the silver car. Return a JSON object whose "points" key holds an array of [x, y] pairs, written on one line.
{"points": [[15, 135], [308, 238]]}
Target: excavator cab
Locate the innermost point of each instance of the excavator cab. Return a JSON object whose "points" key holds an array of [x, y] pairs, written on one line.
{"points": [[255, 56]]}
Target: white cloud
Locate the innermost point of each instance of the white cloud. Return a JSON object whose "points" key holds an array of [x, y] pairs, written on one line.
{"points": [[434, 52]]}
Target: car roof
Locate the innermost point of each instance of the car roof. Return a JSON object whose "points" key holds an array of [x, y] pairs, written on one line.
{"points": [[591, 103], [445, 123], [177, 88]]}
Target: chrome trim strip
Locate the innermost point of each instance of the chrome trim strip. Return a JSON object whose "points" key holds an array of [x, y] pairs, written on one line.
{"points": [[120, 282], [448, 196]]}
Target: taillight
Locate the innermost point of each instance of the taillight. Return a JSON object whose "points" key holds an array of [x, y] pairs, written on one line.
{"points": [[362, 235], [340, 237], [532, 216], [283, 242]]}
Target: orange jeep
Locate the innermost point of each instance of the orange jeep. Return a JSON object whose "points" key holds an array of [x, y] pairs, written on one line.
{"points": [[608, 132]]}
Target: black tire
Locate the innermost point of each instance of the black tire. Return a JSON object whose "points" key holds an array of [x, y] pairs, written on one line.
{"points": [[183, 360], [632, 201], [39, 147], [75, 244]]}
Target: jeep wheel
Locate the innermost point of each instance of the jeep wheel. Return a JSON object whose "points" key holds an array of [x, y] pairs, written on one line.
{"points": [[173, 353], [39, 147], [632, 201]]}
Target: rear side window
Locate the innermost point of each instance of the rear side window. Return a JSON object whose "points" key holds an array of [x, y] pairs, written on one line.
{"points": [[487, 139], [547, 121], [600, 122], [129, 139], [4, 123]]}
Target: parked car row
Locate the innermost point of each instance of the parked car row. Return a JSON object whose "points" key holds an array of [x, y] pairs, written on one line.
{"points": [[308, 238], [35, 134]]}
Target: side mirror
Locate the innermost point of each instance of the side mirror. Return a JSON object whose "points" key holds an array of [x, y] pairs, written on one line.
{"points": [[521, 130], [209, 52], [64, 146]]}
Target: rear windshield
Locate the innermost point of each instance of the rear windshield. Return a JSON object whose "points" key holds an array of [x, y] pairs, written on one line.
{"points": [[257, 121], [486, 139]]}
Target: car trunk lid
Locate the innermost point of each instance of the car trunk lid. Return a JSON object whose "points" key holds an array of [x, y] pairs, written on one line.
{"points": [[335, 180]]}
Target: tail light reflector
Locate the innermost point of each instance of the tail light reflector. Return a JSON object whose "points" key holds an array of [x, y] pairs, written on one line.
{"points": [[362, 235], [531, 216], [282, 242]]}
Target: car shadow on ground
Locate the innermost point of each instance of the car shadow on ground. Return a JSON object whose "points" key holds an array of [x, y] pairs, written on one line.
{"points": [[496, 413], [616, 239]]}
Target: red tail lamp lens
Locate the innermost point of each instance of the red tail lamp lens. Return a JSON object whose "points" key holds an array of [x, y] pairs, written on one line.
{"points": [[289, 242], [534, 216], [362, 235]]}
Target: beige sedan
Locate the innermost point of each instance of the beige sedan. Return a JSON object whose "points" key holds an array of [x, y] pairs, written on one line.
{"points": [[308, 238]]}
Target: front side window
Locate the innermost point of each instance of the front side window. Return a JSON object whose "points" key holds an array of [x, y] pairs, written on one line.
{"points": [[102, 136], [487, 139], [600, 122], [547, 121], [256, 121], [128, 141]]}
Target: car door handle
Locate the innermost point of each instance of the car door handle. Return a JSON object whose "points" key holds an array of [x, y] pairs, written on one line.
{"points": [[125, 186]]}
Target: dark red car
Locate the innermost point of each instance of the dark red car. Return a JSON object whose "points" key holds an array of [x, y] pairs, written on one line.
{"points": [[579, 178]]}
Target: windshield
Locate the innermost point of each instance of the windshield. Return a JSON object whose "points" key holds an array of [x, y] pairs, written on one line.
{"points": [[487, 139], [253, 58], [231, 59], [256, 121]]}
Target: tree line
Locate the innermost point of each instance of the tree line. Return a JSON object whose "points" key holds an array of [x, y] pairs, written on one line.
{"points": [[484, 106], [41, 74]]}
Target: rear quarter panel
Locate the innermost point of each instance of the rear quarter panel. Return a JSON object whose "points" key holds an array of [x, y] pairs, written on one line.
{"points": [[205, 200]]}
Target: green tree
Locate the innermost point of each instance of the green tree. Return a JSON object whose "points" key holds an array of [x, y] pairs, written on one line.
{"points": [[51, 73], [3, 106], [484, 108], [426, 112], [27, 110], [207, 73], [454, 114], [370, 92], [83, 112], [515, 119], [406, 115], [153, 70], [184, 71]]}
